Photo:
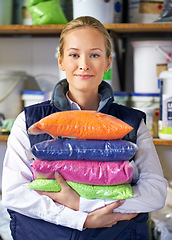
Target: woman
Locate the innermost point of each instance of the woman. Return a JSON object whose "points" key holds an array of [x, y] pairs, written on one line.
{"points": [[84, 54]]}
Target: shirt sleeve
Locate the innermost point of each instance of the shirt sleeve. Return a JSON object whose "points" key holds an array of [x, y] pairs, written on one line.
{"points": [[152, 185], [17, 174]]}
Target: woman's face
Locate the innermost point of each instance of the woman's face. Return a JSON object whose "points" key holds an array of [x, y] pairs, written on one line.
{"points": [[84, 59]]}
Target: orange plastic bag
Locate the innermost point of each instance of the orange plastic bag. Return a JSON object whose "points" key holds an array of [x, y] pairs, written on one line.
{"points": [[81, 125]]}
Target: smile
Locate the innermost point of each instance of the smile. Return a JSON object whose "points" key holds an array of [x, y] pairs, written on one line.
{"points": [[84, 76]]}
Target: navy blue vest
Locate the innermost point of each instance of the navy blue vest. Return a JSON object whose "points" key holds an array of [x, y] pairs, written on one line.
{"points": [[26, 228]]}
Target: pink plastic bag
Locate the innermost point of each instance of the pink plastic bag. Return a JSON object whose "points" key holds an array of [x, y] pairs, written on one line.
{"points": [[88, 172]]}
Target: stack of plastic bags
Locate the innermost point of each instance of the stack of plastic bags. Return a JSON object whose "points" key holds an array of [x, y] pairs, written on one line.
{"points": [[89, 155]]}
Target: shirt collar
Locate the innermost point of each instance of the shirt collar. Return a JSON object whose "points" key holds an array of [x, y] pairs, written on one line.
{"points": [[73, 105]]}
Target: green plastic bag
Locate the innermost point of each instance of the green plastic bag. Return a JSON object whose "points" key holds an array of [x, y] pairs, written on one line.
{"points": [[116, 192], [34, 2], [46, 12]]}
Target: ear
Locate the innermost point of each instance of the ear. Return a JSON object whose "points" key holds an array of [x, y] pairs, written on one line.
{"points": [[60, 62], [109, 60]]}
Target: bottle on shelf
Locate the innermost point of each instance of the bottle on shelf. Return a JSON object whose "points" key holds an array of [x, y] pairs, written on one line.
{"points": [[165, 122]]}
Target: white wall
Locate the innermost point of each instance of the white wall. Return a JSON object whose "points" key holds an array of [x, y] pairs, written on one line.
{"points": [[30, 54]]}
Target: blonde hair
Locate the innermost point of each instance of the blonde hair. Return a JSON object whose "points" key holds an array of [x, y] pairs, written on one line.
{"points": [[85, 22]]}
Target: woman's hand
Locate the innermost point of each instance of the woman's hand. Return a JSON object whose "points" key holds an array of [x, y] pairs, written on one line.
{"points": [[67, 196], [104, 217]]}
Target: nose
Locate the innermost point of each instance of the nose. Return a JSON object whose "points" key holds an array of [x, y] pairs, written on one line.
{"points": [[84, 68], [84, 64]]}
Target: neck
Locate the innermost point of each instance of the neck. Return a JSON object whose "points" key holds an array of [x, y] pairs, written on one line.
{"points": [[86, 101]]}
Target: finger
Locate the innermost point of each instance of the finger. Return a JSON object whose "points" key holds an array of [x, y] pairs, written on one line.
{"points": [[110, 207], [60, 180]]}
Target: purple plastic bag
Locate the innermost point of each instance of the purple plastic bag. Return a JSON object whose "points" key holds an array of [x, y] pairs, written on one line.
{"points": [[92, 150]]}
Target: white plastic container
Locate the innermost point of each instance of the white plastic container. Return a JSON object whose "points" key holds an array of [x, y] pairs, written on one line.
{"points": [[146, 56], [121, 98], [118, 6], [103, 11], [165, 123], [146, 102], [32, 97], [144, 11], [11, 85], [6, 7]]}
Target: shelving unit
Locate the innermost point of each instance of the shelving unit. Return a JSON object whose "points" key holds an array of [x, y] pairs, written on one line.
{"points": [[117, 30], [162, 142], [30, 29], [3, 138]]}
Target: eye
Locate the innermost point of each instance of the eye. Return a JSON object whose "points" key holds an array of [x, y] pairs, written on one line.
{"points": [[95, 55], [74, 55]]}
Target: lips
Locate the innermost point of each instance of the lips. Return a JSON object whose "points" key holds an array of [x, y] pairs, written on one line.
{"points": [[84, 76]]}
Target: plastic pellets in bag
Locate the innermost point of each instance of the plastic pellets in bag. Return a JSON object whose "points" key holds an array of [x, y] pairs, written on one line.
{"points": [[48, 185], [87, 191], [46, 12], [93, 150], [88, 172], [104, 192], [81, 125]]}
